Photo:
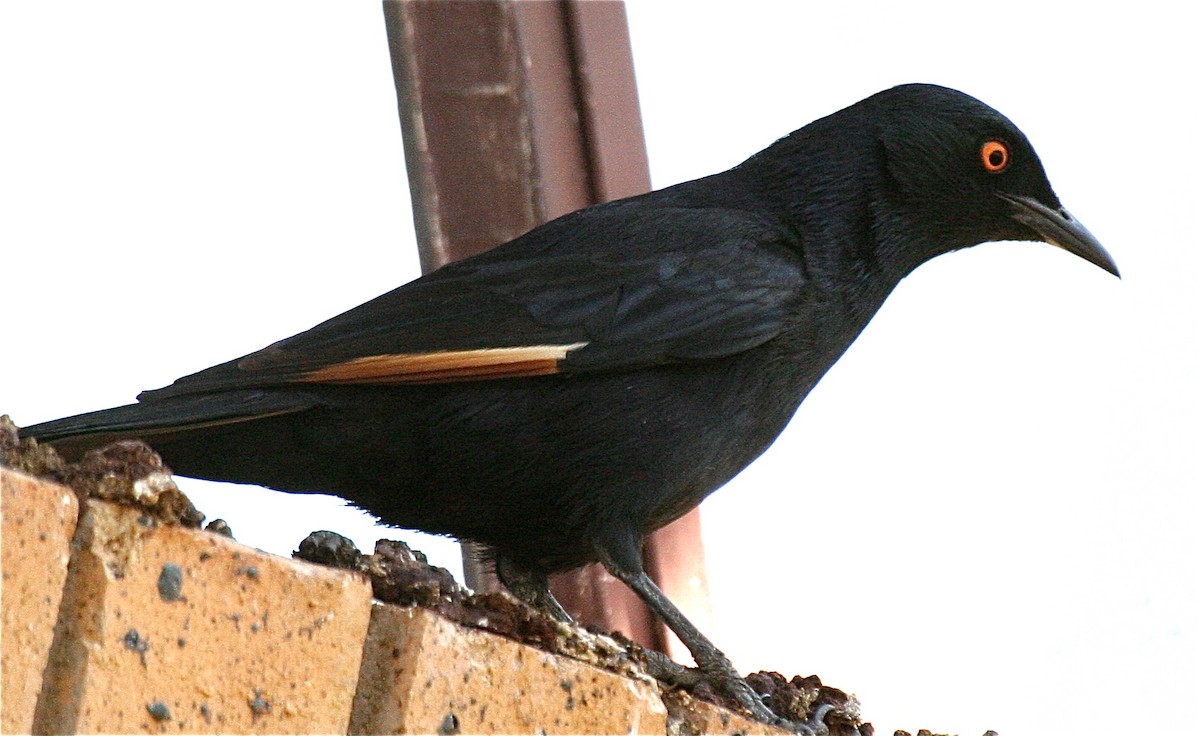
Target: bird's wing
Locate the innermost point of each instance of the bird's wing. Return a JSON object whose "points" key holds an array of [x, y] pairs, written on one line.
{"points": [[702, 286]]}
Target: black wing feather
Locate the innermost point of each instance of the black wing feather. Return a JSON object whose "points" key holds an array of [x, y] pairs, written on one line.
{"points": [[685, 284]]}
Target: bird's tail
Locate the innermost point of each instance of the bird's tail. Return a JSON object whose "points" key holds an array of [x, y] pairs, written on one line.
{"points": [[162, 419]]}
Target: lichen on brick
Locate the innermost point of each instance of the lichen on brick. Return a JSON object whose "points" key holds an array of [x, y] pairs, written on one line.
{"points": [[27, 455]]}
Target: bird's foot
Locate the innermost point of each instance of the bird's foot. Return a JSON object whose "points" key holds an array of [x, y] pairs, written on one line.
{"points": [[724, 678], [663, 668]]}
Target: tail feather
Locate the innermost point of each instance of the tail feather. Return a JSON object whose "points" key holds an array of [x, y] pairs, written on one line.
{"points": [[75, 435]]}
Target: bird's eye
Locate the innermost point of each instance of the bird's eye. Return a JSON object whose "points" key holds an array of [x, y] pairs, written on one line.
{"points": [[994, 156]]}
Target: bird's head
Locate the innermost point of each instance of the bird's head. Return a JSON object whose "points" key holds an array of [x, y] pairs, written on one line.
{"points": [[957, 173]]}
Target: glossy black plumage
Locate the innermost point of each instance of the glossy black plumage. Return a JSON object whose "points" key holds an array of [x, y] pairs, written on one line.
{"points": [[562, 395]]}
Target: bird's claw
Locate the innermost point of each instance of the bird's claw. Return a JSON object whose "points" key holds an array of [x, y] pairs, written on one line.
{"points": [[752, 701], [816, 722], [731, 684], [814, 726]]}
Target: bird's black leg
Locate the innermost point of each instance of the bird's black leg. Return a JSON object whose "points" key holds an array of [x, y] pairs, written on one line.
{"points": [[710, 661], [530, 587]]}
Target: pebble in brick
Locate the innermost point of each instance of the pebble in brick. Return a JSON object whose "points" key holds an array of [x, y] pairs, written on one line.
{"points": [[170, 582], [158, 710]]}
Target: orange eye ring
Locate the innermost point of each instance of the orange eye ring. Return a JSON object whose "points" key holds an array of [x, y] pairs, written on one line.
{"points": [[994, 156]]}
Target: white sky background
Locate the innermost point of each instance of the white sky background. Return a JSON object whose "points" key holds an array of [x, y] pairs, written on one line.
{"points": [[986, 514]]}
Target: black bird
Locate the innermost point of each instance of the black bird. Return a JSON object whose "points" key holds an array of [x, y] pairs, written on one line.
{"points": [[561, 396]]}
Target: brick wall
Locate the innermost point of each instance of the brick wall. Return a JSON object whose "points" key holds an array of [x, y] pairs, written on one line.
{"points": [[118, 623]]}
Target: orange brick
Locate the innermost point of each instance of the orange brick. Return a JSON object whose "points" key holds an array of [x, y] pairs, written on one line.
{"points": [[37, 519], [424, 674], [166, 629]]}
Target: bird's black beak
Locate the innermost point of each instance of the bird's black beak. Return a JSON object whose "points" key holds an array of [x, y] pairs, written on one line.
{"points": [[1058, 227]]}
